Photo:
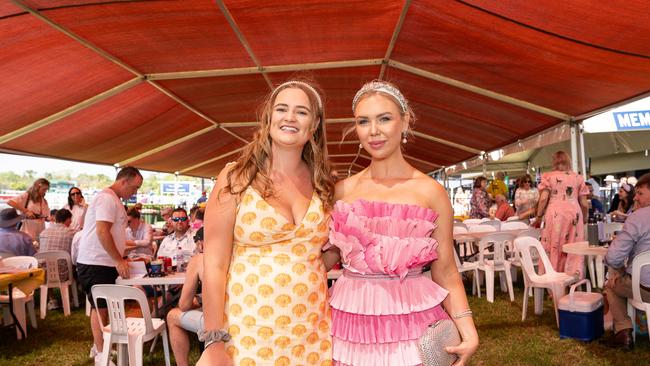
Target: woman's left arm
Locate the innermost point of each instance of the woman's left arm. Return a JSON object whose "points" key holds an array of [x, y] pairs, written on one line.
{"points": [[445, 273]]}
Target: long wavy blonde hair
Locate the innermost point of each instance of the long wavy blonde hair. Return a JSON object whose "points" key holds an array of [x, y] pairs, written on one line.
{"points": [[256, 159], [33, 193]]}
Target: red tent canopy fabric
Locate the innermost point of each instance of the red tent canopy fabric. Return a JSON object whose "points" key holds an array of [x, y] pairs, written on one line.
{"points": [[174, 86]]}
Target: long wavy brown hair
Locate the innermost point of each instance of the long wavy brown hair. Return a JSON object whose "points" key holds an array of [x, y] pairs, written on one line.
{"points": [[256, 159]]}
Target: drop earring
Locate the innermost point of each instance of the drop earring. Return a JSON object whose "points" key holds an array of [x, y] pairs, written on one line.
{"points": [[360, 146], [404, 137]]}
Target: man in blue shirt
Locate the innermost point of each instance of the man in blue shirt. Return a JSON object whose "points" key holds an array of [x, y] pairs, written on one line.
{"points": [[12, 241], [633, 240]]}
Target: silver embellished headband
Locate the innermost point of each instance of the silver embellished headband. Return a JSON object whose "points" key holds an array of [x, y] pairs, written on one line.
{"points": [[380, 86], [294, 82]]}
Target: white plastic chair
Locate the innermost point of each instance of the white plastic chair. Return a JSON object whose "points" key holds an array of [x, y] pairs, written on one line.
{"points": [[513, 218], [20, 299], [51, 261], [555, 282], [495, 223], [514, 225], [466, 267], [636, 302], [460, 229], [498, 263], [470, 222], [460, 225], [132, 332], [465, 244], [515, 257], [532, 232], [481, 228]]}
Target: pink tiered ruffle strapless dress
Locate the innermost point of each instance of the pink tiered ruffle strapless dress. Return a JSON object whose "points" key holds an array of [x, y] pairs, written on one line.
{"points": [[383, 303]]}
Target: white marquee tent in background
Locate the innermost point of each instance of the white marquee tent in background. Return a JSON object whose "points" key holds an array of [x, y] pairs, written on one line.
{"points": [[615, 141]]}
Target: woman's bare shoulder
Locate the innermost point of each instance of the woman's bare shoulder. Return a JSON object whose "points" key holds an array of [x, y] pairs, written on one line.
{"points": [[430, 188], [345, 186]]}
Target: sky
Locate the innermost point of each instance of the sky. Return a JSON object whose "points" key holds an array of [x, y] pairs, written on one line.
{"points": [[19, 164]]}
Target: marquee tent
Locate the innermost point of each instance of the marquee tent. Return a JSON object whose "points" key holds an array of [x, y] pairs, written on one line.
{"points": [[173, 85]]}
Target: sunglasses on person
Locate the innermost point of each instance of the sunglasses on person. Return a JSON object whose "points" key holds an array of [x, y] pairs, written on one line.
{"points": [[181, 219], [528, 181], [75, 194]]}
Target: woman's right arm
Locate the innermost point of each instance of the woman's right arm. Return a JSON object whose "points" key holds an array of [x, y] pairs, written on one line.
{"points": [[19, 204], [219, 225], [541, 207], [330, 257]]}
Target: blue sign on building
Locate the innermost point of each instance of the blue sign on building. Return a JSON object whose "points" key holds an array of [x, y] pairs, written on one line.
{"points": [[175, 187], [636, 120]]}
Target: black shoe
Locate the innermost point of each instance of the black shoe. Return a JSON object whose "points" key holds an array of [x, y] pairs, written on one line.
{"points": [[622, 339]]}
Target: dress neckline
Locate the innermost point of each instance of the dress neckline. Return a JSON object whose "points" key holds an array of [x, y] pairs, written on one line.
{"points": [[399, 204], [296, 223]]}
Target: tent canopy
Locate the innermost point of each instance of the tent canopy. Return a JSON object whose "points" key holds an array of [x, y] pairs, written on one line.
{"points": [[173, 86]]}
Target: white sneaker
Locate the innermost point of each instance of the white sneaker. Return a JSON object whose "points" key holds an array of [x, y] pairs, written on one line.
{"points": [[93, 352], [98, 360]]}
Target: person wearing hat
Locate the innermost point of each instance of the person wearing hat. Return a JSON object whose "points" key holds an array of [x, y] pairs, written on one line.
{"points": [[11, 240]]}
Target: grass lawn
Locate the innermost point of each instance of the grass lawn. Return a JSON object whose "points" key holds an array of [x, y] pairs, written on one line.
{"points": [[505, 340]]}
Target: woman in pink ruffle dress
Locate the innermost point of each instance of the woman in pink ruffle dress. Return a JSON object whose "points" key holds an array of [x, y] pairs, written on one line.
{"points": [[390, 221]]}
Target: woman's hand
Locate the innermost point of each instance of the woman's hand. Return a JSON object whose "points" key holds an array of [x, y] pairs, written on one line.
{"points": [[215, 354], [464, 350], [29, 214], [537, 224]]}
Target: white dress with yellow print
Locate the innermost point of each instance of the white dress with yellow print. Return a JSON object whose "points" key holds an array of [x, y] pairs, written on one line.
{"points": [[276, 307]]}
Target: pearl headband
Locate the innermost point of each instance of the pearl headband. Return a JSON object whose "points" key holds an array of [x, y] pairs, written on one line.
{"points": [[380, 86], [296, 82]]}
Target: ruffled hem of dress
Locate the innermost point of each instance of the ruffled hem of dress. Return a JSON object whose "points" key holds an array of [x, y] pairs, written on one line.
{"points": [[359, 328], [385, 296], [403, 353]]}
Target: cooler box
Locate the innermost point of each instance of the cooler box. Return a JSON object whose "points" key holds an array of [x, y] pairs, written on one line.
{"points": [[581, 314]]}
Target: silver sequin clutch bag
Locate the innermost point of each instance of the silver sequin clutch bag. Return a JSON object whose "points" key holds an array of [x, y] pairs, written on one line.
{"points": [[432, 343]]}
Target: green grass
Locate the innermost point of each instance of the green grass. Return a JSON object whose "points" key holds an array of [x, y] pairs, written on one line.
{"points": [[505, 340]]}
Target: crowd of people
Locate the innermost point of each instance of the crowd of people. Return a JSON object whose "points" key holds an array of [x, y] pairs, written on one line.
{"points": [[101, 237], [256, 289]]}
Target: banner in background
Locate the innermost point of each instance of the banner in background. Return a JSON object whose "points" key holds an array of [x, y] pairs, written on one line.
{"points": [[634, 120]]}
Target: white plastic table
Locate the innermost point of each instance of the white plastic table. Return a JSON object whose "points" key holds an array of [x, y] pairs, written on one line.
{"points": [[596, 253], [165, 281], [463, 237]]}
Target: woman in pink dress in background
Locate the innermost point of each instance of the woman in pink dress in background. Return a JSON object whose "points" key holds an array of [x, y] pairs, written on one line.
{"points": [[390, 221], [563, 205]]}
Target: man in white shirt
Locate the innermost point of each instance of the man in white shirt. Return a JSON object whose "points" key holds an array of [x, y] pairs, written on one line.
{"points": [[100, 257], [180, 238], [138, 234]]}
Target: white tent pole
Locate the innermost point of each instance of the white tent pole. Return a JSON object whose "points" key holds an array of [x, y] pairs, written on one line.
{"points": [[583, 158], [574, 147], [484, 164]]}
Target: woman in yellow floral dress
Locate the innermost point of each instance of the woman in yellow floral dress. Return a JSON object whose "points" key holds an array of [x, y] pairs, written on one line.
{"points": [[265, 286]]}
